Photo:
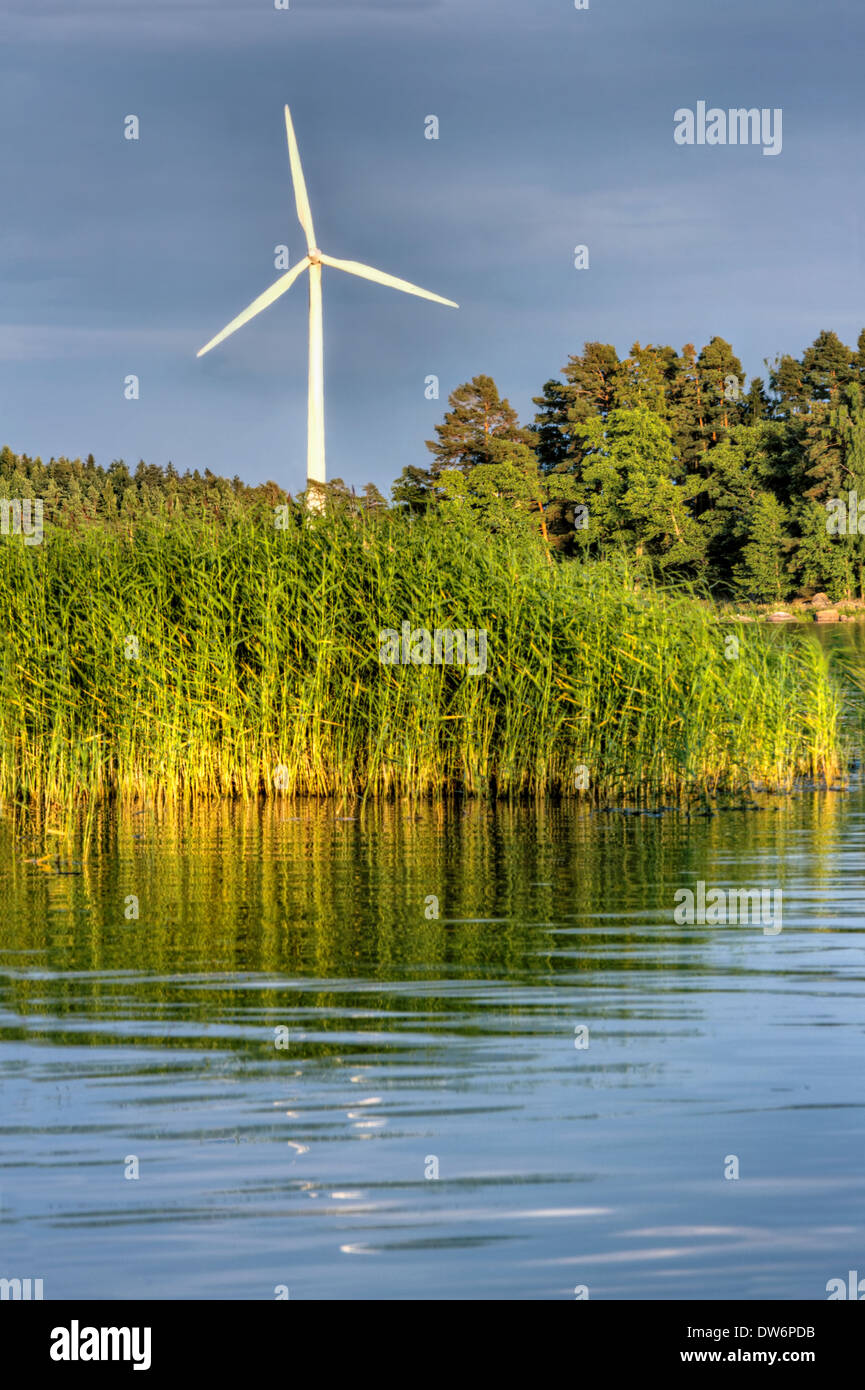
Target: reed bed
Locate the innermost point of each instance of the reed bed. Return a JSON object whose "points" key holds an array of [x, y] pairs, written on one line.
{"points": [[258, 669]]}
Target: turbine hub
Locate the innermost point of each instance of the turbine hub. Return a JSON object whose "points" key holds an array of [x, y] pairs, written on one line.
{"points": [[314, 256]]}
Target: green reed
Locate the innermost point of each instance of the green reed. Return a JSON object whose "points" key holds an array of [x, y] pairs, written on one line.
{"points": [[259, 671]]}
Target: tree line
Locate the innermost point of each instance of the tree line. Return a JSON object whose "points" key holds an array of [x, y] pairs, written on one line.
{"points": [[749, 489], [75, 492], [674, 457]]}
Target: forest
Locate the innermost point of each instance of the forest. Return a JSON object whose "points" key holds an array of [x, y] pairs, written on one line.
{"points": [[748, 490]]}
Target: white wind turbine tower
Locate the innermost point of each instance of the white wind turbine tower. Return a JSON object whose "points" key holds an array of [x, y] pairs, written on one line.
{"points": [[313, 261]]}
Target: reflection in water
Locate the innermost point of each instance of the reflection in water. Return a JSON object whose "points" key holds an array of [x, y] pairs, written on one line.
{"points": [[411, 1044]]}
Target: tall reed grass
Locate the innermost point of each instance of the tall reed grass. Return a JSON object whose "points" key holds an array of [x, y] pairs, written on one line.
{"points": [[258, 666]]}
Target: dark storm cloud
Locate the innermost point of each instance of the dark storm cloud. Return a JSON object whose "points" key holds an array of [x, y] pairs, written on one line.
{"points": [[556, 129]]}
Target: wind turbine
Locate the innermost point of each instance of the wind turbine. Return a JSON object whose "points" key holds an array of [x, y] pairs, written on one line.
{"points": [[313, 261]]}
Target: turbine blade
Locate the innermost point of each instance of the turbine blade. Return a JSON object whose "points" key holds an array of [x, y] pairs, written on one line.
{"points": [[304, 212], [366, 272], [263, 301]]}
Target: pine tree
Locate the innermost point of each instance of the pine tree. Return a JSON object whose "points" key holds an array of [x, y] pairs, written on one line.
{"points": [[833, 458], [787, 386], [373, 501], [739, 470], [477, 416], [590, 378], [552, 426], [641, 381], [685, 411], [627, 483], [510, 493], [823, 561], [413, 489], [763, 574], [722, 387], [836, 455], [827, 366], [755, 402]]}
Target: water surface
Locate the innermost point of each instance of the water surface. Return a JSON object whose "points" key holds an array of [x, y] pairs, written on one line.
{"points": [[417, 1043]]}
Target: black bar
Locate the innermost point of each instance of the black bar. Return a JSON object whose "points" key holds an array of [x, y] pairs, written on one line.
{"points": [[275, 1338]]}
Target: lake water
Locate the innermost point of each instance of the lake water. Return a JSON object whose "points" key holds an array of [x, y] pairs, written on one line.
{"points": [[418, 1043]]}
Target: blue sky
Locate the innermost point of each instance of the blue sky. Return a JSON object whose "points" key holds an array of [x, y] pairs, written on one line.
{"points": [[556, 128]]}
